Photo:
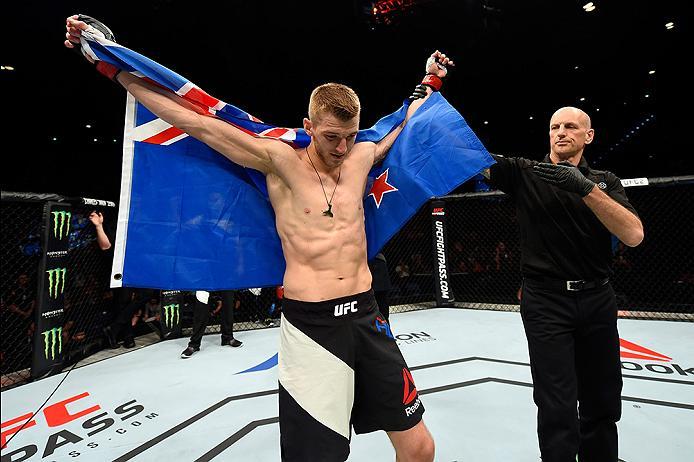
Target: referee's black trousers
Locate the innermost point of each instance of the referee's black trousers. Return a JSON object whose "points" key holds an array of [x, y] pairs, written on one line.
{"points": [[574, 358], [201, 315]]}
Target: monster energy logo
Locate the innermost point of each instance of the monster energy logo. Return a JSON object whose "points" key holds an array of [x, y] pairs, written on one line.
{"points": [[171, 311], [56, 281], [50, 339], [61, 220]]}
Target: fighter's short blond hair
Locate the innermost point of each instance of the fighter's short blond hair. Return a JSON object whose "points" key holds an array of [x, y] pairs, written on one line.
{"points": [[336, 99]]}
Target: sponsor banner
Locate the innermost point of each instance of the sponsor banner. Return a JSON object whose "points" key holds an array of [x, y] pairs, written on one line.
{"points": [[71, 429], [50, 300], [99, 202], [171, 304], [414, 337], [634, 182], [442, 279], [655, 362]]}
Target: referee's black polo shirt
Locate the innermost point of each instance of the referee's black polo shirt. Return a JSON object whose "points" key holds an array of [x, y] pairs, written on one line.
{"points": [[561, 238]]}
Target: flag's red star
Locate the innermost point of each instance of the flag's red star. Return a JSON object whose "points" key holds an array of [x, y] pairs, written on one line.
{"points": [[380, 187]]}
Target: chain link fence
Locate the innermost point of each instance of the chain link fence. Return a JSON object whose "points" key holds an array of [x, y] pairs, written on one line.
{"points": [[653, 281], [88, 300], [19, 245]]}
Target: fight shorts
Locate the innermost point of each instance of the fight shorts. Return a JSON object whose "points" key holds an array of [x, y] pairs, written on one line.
{"points": [[339, 366]]}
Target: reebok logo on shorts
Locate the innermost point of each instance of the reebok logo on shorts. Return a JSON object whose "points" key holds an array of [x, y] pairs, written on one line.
{"points": [[409, 390], [409, 393], [345, 308]]}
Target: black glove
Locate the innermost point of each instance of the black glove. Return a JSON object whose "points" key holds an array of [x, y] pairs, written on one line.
{"points": [[565, 176], [420, 91]]}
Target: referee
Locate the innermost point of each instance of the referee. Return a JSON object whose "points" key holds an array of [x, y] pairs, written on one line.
{"points": [[567, 213]]}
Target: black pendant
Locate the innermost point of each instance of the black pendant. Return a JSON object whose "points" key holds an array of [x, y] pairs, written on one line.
{"points": [[329, 212]]}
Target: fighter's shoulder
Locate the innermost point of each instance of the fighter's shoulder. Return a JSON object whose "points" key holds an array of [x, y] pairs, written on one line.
{"points": [[283, 155], [364, 151], [365, 146]]}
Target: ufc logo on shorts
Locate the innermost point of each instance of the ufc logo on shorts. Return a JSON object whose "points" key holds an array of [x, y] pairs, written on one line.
{"points": [[345, 308]]}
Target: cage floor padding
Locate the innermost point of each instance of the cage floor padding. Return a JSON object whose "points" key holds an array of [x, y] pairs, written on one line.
{"points": [[471, 368]]}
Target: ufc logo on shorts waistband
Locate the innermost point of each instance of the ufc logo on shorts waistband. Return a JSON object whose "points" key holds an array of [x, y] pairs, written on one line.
{"points": [[345, 308]]}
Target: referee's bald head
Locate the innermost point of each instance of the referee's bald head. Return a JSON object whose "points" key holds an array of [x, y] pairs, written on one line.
{"points": [[583, 118]]}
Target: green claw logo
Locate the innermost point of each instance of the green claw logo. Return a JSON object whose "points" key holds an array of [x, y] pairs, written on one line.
{"points": [[51, 338], [61, 221], [56, 282], [171, 312]]}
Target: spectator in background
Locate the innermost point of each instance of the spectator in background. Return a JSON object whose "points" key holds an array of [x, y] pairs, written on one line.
{"points": [[417, 265], [380, 283], [129, 302], [148, 313], [402, 269], [251, 307], [17, 308], [275, 308], [222, 302], [503, 260], [102, 239], [621, 260], [22, 298], [458, 257]]}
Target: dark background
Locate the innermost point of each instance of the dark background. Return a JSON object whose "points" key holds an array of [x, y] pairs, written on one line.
{"points": [[516, 60]]}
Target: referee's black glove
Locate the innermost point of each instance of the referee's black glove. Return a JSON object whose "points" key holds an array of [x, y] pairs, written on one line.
{"points": [[565, 176]]}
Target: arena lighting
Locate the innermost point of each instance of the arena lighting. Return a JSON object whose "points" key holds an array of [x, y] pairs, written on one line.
{"points": [[651, 72], [670, 25], [96, 139], [486, 122], [389, 6], [6, 68], [55, 139], [581, 99], [588, 7], [531, 117], [87, 126]]}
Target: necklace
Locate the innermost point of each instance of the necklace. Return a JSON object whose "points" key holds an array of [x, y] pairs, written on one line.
{"points": [[329, 211]]}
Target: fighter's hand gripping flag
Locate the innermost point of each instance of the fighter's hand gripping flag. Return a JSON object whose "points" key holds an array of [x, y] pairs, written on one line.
{"points": [[191, 219]]}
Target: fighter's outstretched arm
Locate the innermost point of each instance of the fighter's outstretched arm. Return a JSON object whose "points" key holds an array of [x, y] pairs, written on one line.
{"points": [[239, 147], [435, 71]]}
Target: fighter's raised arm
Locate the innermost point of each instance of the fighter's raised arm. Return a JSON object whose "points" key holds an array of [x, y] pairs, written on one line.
{"points": [[436, 69], [238, 146]]}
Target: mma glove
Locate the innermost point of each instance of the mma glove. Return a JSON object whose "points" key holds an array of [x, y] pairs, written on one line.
{"points": [[564, 175], [100, 29]]}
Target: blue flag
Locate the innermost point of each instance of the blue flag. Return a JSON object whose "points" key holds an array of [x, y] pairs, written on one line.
{"points": [[191, 219]]}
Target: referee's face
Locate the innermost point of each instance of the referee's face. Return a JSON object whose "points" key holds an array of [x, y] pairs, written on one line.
{"points": [[569, 132]]}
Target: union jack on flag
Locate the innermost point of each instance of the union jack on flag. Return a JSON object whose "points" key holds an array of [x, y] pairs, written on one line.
{"points": [[190, 219]]}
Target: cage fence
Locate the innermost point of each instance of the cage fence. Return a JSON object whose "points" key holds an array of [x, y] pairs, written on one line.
{"points": [[652, 281]]}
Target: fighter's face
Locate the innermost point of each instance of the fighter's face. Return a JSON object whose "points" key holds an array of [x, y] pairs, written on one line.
{"points": [[332, 138]]}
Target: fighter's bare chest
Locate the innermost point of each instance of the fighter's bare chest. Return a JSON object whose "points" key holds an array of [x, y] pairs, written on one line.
{"points": [[343, 196]]}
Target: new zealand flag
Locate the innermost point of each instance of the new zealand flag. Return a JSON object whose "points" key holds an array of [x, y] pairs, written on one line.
{"points": [[191, 219]]}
